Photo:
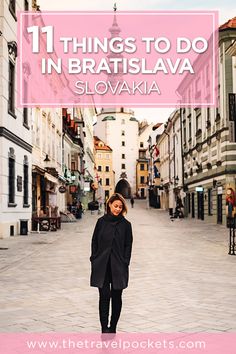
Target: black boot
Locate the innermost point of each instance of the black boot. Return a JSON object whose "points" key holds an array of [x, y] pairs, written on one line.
{"points": [[103, 314], [116, 309]]}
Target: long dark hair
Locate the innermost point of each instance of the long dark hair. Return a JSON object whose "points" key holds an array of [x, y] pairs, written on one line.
{"points": [[117, 196]]}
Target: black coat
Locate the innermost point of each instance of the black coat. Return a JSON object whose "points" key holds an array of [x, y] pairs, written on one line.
{"points": [[113, 238]]}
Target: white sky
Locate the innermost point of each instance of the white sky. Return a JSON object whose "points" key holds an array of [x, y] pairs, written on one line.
{"points": [[226, 8]]}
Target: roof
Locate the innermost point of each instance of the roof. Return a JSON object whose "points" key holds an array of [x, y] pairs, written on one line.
{"points": [[133, 119], [108, 118], [156, 126], [100, 145], [229, 24]]}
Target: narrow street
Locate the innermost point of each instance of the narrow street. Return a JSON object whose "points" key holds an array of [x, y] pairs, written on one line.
{"points": [[181, 278]]}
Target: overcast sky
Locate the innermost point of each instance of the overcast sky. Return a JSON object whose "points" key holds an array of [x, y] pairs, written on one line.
{"points": [[226, 8]]}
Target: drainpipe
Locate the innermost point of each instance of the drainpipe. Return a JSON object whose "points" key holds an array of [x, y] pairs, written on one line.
{"points": [[182, 159]]}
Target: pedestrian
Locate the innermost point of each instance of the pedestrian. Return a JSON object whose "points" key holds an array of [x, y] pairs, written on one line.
{"points": [[132, 201], [79, 210], [110, 257]]}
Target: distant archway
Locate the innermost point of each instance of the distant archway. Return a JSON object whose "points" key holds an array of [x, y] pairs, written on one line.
{"points": [[123, 188]]}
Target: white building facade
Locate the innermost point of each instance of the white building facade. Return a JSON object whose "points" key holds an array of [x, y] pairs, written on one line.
{"points": [[118, 128], [15, 132]]}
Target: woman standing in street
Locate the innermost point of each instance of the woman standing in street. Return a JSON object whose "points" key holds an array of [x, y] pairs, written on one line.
{"points": [[111, 251]]}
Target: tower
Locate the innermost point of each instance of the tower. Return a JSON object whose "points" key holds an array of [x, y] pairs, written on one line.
{"points": [[118, 128]]}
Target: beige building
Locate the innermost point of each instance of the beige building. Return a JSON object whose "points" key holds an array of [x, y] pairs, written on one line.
{"points": [[209, 140], [142, 168], [47, 174], [104, 174]]}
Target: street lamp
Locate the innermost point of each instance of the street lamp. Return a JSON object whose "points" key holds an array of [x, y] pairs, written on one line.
{"points": [[73, 177]]}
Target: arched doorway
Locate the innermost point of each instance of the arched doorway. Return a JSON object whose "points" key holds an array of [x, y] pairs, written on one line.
{"points": [[123, 188]]}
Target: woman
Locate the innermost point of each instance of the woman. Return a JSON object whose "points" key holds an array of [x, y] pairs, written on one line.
{"points": [[111, 251]]}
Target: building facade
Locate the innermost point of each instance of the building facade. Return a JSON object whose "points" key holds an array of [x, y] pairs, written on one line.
{"points": [[47, 175], [104, 174], [118, 128], [155, 187], [15, 132], [209, 144], [142, 169]]}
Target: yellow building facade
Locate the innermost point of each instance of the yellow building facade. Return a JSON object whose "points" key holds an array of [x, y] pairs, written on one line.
{"points": [[104, 173], [142, 174]]}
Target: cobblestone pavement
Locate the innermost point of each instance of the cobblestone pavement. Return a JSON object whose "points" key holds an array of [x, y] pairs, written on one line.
{"points": [[181, 278]]}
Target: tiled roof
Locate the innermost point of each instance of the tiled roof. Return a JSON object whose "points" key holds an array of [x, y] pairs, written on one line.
{"points": [[97, 147], [229, 24]]}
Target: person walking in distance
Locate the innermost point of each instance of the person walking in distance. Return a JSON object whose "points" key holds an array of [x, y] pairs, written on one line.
{"points": [[132, 201], [110, 257]]}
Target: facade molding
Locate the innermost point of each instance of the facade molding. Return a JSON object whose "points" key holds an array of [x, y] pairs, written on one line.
{"points": [[7, 134]]}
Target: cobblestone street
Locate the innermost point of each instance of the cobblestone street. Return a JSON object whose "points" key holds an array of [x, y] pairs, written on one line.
{"points": [[181, 278]]}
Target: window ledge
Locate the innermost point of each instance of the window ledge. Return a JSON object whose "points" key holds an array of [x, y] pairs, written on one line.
{"points": [[26, 205], [12, 114], [26, 126], [12, 205]]}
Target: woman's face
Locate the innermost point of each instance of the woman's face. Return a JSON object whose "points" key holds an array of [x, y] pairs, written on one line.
{"points": [[116, 207]]}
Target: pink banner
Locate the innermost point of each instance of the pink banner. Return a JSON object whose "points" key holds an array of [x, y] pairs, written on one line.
{"points": [[166, 343], [148, 59]]}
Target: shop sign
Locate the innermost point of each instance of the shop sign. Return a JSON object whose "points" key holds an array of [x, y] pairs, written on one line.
{"points": [[62, 189], [199, 189], [86, 186], [73, 189]]}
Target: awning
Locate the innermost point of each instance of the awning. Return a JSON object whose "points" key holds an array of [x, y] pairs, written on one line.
{"points": [[51, 178], [38, 170]]}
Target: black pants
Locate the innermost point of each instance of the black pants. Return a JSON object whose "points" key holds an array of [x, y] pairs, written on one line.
{"points": [[107, 293]]}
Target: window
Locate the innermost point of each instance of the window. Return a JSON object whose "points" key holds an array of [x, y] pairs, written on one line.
{"points": [[122, 121], [184, 126], [100, 181], [11, 89], [12, 8], [198, 119], [141, 145], [142, 154], [123, 133], [123, 143], [142, 179], [107, 181], [190, 127], [99, 156], [26, 17], [25, 110], [123, 166], [26, 6], [73, 166], [26, 182], [11, 178], [208, 114], [107, 156], [107, 168], [99, 168], [123, 156], [141, 167]]}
